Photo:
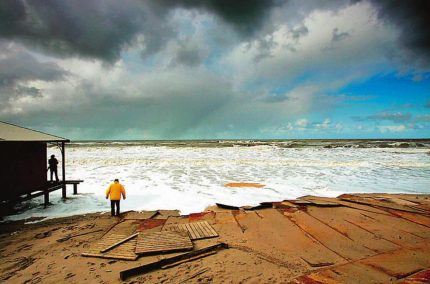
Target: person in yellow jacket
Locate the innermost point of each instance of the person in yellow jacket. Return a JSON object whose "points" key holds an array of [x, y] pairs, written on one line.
{"points": [[115, 190]]}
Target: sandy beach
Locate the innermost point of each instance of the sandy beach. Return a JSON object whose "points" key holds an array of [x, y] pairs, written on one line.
{"points": [[361, 238]]}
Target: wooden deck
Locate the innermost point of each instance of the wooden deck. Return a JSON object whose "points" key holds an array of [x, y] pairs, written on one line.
{"points": [[50, 187]]}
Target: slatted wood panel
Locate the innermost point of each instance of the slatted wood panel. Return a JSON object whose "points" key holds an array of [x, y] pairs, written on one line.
{"points": [[123, 251], [165, 241], [196, 230]]}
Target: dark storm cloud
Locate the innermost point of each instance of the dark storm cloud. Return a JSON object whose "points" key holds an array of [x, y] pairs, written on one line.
{"points": [[413, 21], [95, 29], [20, 66], [17, 67], [101, 29], [246, 16]]}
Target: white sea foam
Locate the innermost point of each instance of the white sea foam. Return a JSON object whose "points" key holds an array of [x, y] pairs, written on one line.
{"points": [[192, 178]]}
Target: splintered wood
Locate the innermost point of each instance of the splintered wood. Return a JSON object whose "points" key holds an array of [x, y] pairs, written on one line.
{"points": [[123, 251], [196, 230], [161, 242]]}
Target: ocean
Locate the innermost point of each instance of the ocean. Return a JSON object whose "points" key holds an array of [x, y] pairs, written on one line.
{"points": [[191, 175]]}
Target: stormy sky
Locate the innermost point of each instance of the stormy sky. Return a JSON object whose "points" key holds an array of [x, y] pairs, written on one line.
{"points": [[216, 69]]}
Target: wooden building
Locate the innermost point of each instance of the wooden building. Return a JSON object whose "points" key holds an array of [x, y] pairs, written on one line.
{"points": [[23, 167]]}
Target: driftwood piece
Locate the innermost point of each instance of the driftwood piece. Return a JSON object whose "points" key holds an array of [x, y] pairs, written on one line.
{"points": [[164, 262], [119, 242]]}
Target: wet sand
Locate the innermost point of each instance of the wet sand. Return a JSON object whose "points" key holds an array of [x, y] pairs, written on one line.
{"points": [[362, 238]]}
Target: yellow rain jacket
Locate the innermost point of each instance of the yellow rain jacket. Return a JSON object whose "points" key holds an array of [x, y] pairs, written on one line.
{"points": [[115, 190]]}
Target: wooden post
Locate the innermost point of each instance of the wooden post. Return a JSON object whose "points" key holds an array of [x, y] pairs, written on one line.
{"points": [[63, 166], [46, 198], [75, 188]]}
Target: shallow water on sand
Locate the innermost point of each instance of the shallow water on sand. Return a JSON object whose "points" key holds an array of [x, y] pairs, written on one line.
{"points": [[190, 176]]}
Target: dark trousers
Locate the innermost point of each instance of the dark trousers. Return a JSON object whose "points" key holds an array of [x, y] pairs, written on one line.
{"points": [[114, 203], [54, 171]]}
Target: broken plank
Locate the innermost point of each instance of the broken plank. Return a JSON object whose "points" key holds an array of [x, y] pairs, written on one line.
{"points": [[119, 242], [163, 262], [226, 206]]}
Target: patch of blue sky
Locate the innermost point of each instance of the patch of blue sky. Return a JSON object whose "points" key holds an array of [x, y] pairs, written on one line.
{"points": [[392, 91]]}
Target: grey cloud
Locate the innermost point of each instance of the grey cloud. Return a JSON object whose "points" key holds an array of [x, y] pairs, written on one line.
{"points": [[103, 28], [423, 118], [18, 67], [427, 105], [299, 31], [388, 116], [246, 16], [161, 110], [93, 29], [189, 53], [412, 19], [338, 36]]}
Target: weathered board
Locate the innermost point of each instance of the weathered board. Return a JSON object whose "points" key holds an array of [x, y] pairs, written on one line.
{"points": [[196, 230], [123, 251], [161, 242], [140, 215]]}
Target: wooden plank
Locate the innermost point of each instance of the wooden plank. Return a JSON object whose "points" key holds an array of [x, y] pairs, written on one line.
{"points": [[379, 203], [140, 215], [166, 261], [164, 241], [119, 242], [204, 229], [286, 240], [335, 218], [211, 231], [401, 263], [109, 256], [198, 229], [329, 237], [123, 251], [197, 235], [320, 201]]}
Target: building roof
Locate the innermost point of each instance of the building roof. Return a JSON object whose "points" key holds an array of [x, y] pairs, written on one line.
{"points": [[10, 132]]}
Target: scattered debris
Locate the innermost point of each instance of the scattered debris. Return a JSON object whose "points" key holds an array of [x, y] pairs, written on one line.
{"points": [[163, 262], [244, 184]]}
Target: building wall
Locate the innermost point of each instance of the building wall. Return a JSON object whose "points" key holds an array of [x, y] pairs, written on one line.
{"points": [[22, 168]]}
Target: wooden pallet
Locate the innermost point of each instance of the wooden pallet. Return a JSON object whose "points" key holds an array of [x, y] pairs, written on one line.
{"points": [[123, 251], [162, 242], [196, 230]]}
